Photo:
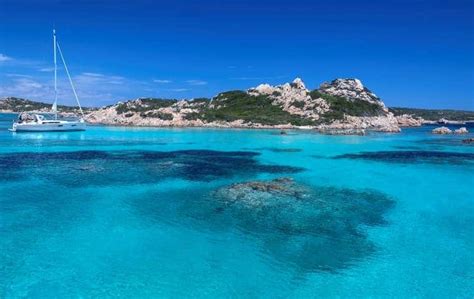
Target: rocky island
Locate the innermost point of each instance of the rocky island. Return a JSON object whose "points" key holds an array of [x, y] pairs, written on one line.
{"points": [[342, 106]]}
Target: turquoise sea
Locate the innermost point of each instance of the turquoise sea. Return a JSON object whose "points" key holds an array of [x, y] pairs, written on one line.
{"points": [[133, 213]]}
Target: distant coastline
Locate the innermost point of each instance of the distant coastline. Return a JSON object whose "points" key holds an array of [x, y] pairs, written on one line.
{"points": [[342, 106]]}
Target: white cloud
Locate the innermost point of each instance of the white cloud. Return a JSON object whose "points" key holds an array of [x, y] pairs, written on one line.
{"points": [[196, 82], [46, 69], [93, 78], [93, 89], [92, 74], [162, 81], [4, 58], [23, 87], [32, 80], [18, 76]]}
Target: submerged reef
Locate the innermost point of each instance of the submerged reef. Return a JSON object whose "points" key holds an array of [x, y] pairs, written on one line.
{"points": [[276, 149], [131, 167], [309, 228], [435, 157]]}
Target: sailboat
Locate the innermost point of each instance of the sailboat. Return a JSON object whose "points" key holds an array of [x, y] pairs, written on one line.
{"points": [[28, 122]]}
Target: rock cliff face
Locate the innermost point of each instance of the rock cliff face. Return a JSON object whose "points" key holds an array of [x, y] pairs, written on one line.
{"points": [[149, 112], [341, 106], [293, 98], [351, 89], [407, 120]]}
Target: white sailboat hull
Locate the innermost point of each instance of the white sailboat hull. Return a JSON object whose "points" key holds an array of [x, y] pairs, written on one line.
{"points": [[50, 126]]}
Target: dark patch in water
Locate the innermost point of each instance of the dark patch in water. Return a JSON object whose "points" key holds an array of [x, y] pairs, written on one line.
{"points": [[276, 149], [285, 150], [407, 147], [310, 229], [129, 167], [443, 141], [435, 157]]}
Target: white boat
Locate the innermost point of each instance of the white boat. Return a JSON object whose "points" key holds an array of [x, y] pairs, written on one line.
{"points": [[34, 122], [41, 124]]}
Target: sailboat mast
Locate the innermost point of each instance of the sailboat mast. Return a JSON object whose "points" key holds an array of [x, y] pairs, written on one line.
{"points": [[55, 77]]}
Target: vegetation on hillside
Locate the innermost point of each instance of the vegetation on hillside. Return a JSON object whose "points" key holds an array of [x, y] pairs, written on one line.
{"points": [[157, 114], [22, 105], [234, 105], [147, 104], [340, 106], [433, 114]]}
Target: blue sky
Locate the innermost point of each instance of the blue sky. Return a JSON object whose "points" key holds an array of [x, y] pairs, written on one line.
{"points": [[410, 53]]}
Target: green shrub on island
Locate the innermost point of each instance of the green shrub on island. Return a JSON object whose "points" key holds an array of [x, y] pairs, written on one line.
{"points": [[234, 105], [22, 105], [200, 100], [432, 114], [192, 116], [160, 115], [298, 104], [340, 106], [147, 104]]}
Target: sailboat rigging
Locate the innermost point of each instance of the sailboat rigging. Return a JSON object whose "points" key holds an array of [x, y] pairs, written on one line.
{"points": [[37, 122]]}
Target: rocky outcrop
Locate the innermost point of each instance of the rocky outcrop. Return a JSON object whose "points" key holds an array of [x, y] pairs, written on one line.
{"points": [[358, 125], [461, 130], [351, 89], [407, 120], [445, 130], [139, 113], [294, 98], [442, 131]]}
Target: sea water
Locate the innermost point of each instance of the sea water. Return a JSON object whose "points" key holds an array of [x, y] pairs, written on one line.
{"points": [[133, 213]]}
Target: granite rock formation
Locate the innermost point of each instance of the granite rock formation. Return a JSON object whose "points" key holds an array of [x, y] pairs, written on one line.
{"points": [[442, 131]]}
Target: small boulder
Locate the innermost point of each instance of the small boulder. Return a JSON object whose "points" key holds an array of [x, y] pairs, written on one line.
{"points": [[461, 130], [442, 131]]}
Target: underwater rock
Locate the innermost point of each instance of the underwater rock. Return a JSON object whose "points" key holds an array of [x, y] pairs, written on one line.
{"points": [[256, 193], [330, 131], [461, 130], [442, 131], [310, 228], [468, 140], [275, 149], [285, 150]]}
